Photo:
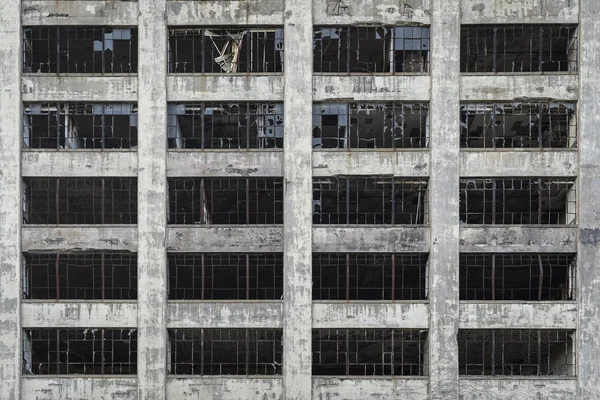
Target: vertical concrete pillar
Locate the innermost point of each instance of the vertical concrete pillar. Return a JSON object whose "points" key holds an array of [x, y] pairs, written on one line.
{"points": [[297, 303], [588, 266], [152, 200], [10, 199], [444, 203]]}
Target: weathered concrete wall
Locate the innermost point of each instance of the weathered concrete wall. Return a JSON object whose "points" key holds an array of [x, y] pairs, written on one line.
{"points": [[90, 12], [517, 389], [78, 238], [225, 314], [357, 162], [214, 87], [108, 314], [520, 11], [79, 88], [524, 239], [225, 388], [344, 12], [488, 163], [371, 239], [518, 315], [371, 87], [326, 388], [411, 315], [259, 163], [79, 163], [258, 238], [218, 13], [88, 388], [526, 86]]}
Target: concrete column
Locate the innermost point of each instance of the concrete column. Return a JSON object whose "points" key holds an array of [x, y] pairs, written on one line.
{"points": [[10, 199], [444, 200], [297, 219], [152, 200], [588, 268]]}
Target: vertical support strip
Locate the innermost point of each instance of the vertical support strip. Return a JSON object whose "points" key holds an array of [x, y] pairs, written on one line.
{"points": [[297, 217], [444, 201], [10, 199], [152, 200], [588, 345]]}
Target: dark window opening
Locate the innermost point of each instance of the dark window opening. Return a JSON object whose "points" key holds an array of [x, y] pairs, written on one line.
{"points": [[231, 50], [225, 351], [80, 200], [518, 48], [517, 277], [225, 126], [87, 50], [80, 126], [370, 200], [383, 49], [369, 352], [90, 351], [80, 276], [225, 276], [369, 276], [518, 201], [370, 125], [518, 125], [217, 201], [516, 352]]}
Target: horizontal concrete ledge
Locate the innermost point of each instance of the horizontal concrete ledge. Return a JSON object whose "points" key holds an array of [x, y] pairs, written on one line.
{"points": [[90, 12], [224, 388], [524, 239], [67, 314], [377, 88], [218, 12], [383, 162], [372, 11], [78, 238], [411, 239], [347, 388], [79, 163], [209, 163], [239, 238], [521, 12], [90, 88], [232, 314], [500, 388], [540, 315], [370, 315], [489, 87], [485, 163], [78, 387], [224, 87]]}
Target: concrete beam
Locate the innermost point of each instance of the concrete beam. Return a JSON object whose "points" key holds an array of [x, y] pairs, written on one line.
{"points": [[383, 162], [224, 87], [77, 163], [513, 163], [72, 87], [547, 388], [79, 314], [219, 13], [390, 12], [90, 12], [404, 315], [371, 239], [224, 388], [521, 12], [221, 163], [234, 238], [373, 88], [480, 87], [225, 314], [518, 315], [370, 388], [518, 239], [78, 238], [89, 388]]}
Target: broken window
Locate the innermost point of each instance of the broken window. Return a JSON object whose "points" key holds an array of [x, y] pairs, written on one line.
{"points": [[520, 352], [367, 49], [88, 50], [225, 276], [518, 48], [370, 200], [225, 125], [80, 126], [225, 351], [80, 200], [518, 201], [518, 125], [369, 276], [517, 277], [225, 201], [370, 125], [225, 50], [89, 351], [368, 352], [80, 276]]}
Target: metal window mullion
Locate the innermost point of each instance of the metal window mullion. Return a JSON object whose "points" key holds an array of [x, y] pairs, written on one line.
{"points": [[541, 49], [493, 277], [493, 355], [541, 278], [347, 352], [540, 201]]}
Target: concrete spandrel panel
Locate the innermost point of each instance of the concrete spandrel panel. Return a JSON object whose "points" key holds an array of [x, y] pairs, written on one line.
{"points": [[517, 389], [89, 12], [216, 12], [346, 12], [375, 88], [52, 87], [384, 388], [77, 388], [224, 388], [519, 11]]}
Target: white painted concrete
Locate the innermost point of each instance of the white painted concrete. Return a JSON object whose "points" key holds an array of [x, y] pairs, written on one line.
{"points": [[80, 314], [90, 12], [78, 163], [520, 12]]}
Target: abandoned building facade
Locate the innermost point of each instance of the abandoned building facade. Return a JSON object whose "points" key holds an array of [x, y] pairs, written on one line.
{"points": [[299, 199]]}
